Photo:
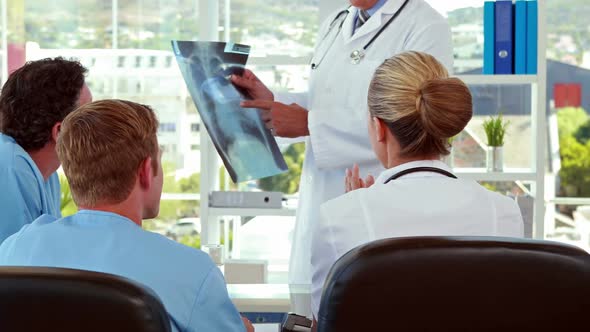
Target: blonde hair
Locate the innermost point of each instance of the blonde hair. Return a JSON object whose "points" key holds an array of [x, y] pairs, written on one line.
{"points": [[101, 146], [413, 94]]}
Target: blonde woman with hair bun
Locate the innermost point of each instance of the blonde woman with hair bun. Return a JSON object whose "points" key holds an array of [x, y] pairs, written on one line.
{"points": [[414, 108]]}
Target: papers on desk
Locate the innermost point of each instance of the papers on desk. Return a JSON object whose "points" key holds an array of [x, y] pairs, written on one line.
{"points": [[271, 298], [267, 327]]}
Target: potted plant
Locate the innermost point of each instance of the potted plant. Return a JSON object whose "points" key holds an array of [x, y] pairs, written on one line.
{"points": [[495, 128]]}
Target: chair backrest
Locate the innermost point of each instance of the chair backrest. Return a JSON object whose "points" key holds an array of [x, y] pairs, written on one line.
{"points": [[55, 299], [457, 284]]}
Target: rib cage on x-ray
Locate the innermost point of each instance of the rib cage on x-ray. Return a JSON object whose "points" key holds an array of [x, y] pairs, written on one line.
{"points": [[247, 148]]}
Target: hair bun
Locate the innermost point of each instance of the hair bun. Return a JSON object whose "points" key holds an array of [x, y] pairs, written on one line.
{"points": [[445, 106], [411, 91], [419, 99]]}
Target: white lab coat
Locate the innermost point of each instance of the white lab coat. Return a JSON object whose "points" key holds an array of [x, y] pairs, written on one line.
{"points": [[416, 204], [337, 104]]}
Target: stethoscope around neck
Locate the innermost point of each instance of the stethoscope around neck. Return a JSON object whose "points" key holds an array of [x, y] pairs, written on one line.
{"points": [[357, 55], [420, 170]]}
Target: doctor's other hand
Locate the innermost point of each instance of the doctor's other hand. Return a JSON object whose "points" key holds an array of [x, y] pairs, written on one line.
{"points": [[282, 120], [353, 180], [253, 85], [247, 324]]}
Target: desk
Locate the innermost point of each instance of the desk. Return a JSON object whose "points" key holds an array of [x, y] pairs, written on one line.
{"points": [[271, 298]]}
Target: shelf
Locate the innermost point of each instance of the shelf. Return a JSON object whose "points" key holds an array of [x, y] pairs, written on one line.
{"points": [[480, 174], [247, 212], [498, 79]]}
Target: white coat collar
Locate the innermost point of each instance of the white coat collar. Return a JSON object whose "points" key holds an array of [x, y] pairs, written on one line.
{"points": [[374, 23], [385, 175]]}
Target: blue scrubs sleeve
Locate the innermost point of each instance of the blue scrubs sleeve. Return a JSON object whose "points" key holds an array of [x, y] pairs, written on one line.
{"points": [[20, 201], [213, 302]]}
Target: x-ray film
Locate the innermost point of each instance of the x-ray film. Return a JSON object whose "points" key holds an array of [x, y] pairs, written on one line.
{"points": [[248, 149]]}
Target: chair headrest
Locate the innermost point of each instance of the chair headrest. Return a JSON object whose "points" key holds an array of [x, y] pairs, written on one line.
{"points": [[39, 298], [467, 283]]}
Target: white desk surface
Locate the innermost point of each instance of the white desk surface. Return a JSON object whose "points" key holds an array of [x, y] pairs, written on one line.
{"points": [[268, 297]]}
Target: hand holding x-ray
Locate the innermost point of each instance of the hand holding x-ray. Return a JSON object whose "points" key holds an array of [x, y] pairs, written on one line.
{"points": [[246, 147], [252, 86]]}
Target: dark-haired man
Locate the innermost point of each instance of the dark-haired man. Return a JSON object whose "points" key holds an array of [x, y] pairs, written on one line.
{"points": [[34, 101]]}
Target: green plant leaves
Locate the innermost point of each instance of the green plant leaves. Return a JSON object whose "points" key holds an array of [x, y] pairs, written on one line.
{"points": [[495, 129]]}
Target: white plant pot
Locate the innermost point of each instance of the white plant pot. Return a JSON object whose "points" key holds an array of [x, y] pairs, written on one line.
{"points": [[495, 159]]}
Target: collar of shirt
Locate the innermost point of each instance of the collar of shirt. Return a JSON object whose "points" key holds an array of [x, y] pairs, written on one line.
{"points": [[10, 151], [371, 10], [385, 175], [6, 138], [97, 217], [376, 7]]}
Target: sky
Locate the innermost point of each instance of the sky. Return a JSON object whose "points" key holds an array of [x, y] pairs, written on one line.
{"points": [[445, 6]]}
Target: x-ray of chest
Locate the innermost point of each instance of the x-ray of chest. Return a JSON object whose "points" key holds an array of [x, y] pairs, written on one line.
{"points": [[248, 149]]}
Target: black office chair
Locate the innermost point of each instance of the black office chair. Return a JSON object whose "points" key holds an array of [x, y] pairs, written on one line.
{"points": [[66, 300], [458, 284]]}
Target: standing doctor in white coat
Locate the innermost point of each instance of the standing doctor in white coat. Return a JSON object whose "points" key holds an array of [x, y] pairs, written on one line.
{"points": [[333, 114]]}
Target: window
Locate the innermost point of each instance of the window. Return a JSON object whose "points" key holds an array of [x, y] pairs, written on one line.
{"points": [[195, 127], [570, 220], [111, 42], [568, 85], [283, 27], [167, 127], [466, 20], [169, 151], [123, 86]]}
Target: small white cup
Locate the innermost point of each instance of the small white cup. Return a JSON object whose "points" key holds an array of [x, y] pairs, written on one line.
{"points": [[216, 252]]}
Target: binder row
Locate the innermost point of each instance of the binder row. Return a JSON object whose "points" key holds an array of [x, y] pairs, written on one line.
{"points": [[510, 37]]}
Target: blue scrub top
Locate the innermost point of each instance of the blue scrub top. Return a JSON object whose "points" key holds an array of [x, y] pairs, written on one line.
{"points": [[189, 284], [24, 194]]}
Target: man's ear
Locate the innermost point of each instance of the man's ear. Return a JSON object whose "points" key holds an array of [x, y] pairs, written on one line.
{"points": [[55, 131], [380, 129], [146, 174]]}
